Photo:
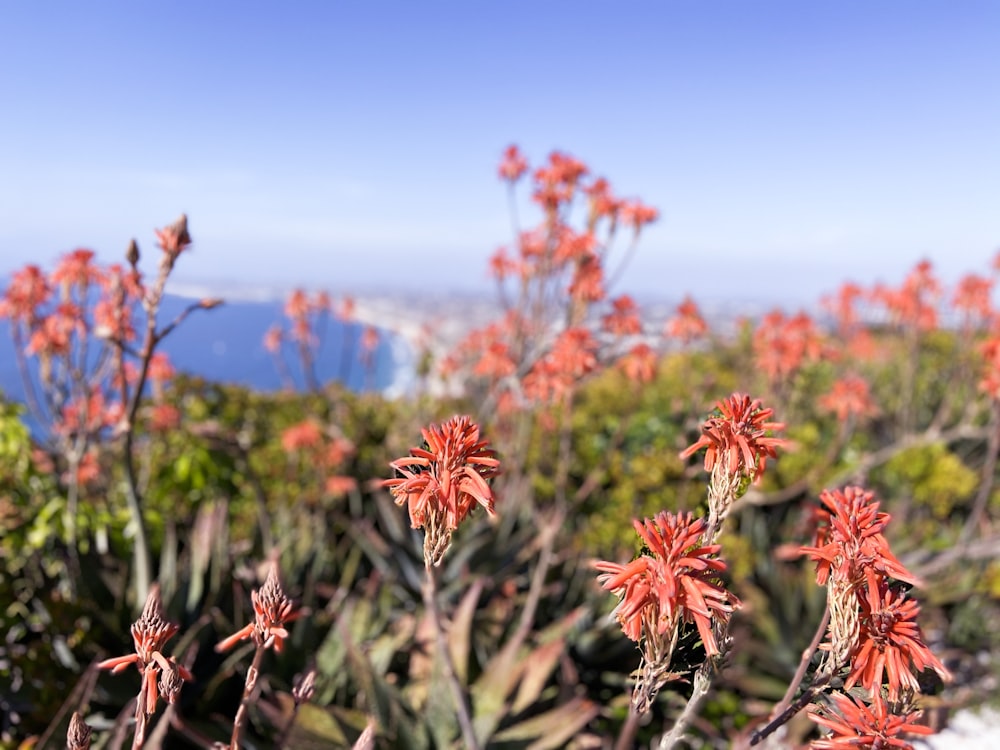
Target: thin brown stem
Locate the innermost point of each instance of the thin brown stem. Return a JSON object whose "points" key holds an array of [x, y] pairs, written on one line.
{"points": [[461, 703], [249, 689], [626, 738], [987, 481], [785, 716], [800, 673]]}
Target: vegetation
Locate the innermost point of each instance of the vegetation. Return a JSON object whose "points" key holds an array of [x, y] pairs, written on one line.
{"points": [[193, 564]]}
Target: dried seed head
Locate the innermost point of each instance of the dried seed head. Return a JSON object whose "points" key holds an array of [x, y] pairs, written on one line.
{"points": [[78, 736], [305, 686], [844, 623], [132, 254]]}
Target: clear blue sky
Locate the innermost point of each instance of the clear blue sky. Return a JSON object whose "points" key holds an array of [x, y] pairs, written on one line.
{"points": [[788, 145]]}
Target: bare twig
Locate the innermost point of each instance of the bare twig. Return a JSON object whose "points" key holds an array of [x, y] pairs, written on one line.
{"points": [[800, 673]]}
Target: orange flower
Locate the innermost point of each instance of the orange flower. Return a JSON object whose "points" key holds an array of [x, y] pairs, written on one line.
{"points": [[738, 436], [164, 417], [973, 297], [915, 303], [272, 339], [782, 345], [849, 539], [443, 481], [587, 284], [848, 397], [623, 320], [502, 265], [990, 382], [27, 291], [513, 165], [856, 725], [307, 434], [675, 579], [842, 305], [687, 323], [890, 643], [272, 610], [602, 202], [639, 364], [573, 355], [160, 675], [76, 269], [174, 238], [637, 215]]}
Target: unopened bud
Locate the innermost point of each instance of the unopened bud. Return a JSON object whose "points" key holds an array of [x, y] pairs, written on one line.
{"points": [[78, 736], [132, 254], [180, 227], [211, 302]]}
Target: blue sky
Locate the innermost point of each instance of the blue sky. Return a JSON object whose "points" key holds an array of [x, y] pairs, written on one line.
{"points": [[788, 145]]}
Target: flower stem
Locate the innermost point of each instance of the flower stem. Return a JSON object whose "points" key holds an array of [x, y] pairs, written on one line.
{"points": [[702, 682], [461, 704], [249, 689], [800, 673]]}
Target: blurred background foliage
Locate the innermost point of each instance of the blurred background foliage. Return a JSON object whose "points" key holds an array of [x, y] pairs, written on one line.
{"points": [[529, 629]]}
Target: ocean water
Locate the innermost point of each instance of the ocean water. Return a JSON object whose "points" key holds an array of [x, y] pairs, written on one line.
{"points": [[226, 345]]}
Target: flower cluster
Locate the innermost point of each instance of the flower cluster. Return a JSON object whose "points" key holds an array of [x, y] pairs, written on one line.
{"points": [[674, 580], [871, 727], [783, 344], [738, 440], [161, 676], [272, 610], [551, 283], [873, 630], [848, 398], [444, 480]]}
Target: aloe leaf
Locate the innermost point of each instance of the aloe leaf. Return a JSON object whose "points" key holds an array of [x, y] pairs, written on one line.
{"points": [[554, 728]]}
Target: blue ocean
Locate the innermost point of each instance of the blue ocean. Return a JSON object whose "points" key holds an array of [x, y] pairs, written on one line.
{"points": [[225, 345]]}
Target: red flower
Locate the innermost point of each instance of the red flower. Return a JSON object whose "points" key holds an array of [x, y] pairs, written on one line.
{"points": [[849, 539], [502, 265], [843, 305], [973, 296], [307, 434], [890, 643], [782, 345], [687, 323], [28, 290], [443, 481], [297, 305], [573, 355], [513, 165], [856, 725], [915, 303], [76, 269], [174, 239], [849, 397], [623, 320], [637, 215], [272, 611], [675, 579], [150, 634], [738, 437], [587, 284], [602, 202], [272, 339], [639, 364], [163, 417]]}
